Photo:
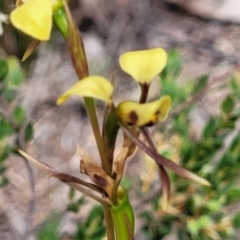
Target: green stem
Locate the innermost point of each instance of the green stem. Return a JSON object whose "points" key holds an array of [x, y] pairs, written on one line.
{"points": [[123, 217], [90, 106], [60, 19], [109, 224]]}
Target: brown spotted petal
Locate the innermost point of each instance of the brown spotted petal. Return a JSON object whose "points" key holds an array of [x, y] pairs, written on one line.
{"points": [[143, 114], [89, 167]]}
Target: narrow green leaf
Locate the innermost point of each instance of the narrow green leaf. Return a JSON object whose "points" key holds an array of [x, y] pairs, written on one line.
{"points": [[99, 232], [210, 128], [73, 207], [228, 160], [228, 104], [5, 129], [173, 67], [80, 234], [29, 132], [236, 221], [19, 115], [110, 131], [233, 195], [200, 84], [3, 69], [5, 151], [15, 74], [96, 213], [49, 230], [234, 85], [8, 94]]}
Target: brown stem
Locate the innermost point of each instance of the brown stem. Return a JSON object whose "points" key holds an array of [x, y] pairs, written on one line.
{"points": [[144, 92]]}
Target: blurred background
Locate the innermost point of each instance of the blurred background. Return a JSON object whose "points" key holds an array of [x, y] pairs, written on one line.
{"points": [[202, 132]]}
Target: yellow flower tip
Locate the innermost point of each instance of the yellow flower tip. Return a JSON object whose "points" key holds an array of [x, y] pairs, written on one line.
{"points": [[145, 114], [91, 86], [144, 65], [164, 202], [164, 107], [63, 98], [34, 18]]}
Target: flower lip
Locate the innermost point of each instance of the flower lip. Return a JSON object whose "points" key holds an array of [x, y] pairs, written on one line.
{"points": [[144, 114], [144, 65]]}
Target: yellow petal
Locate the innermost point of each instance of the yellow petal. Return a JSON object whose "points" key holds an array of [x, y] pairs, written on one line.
{"points": [[34, 18], [144, 114], [92, 86], [144, 65]]}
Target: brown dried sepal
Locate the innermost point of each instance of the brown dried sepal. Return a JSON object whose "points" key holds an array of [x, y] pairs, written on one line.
{"points": [[126, 151], [89, 167], [75, 46], [30, 49]]}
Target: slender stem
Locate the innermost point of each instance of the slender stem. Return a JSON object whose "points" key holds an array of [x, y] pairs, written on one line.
{"points": [[108, 152], [146, 135], [109, 224], [89, 102], [144, 92], [90, 106], [68, 178], [88, 193]]}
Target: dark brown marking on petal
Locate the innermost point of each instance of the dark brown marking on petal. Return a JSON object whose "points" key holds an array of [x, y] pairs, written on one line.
{"points": [[99, 180], [153, 120], [133, 117]]}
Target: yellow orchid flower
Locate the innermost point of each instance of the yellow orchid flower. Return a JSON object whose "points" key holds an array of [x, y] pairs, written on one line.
{"points": [[34, 17], [91, 86], [144, 65], [144, 114]]}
